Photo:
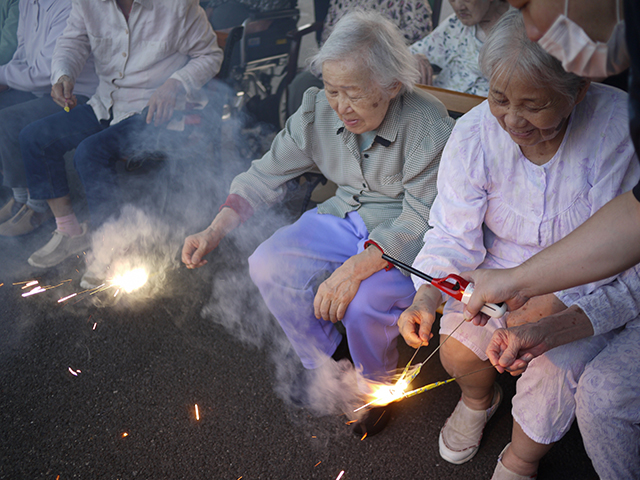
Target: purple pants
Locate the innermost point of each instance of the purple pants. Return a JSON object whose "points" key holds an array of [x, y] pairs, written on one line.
{"points": [[289, 267]]}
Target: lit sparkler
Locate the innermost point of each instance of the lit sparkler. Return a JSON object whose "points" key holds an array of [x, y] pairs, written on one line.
{"points": [[131, 280], [386, 394]]}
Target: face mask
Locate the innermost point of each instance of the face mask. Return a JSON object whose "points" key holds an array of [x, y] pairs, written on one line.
{"points": [[568, 42]]}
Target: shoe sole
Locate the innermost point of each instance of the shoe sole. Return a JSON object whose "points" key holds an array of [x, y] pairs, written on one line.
{"points": [[444, 453]]}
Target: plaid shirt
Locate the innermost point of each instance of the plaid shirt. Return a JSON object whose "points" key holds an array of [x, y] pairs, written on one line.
{"points": [[391, 184]]}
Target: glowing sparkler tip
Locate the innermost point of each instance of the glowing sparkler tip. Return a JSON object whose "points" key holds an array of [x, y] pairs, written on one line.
{"points": [[131, 280]]}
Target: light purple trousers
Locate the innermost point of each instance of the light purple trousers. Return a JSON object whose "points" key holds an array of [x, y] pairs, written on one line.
{"points": [[289, 267]]}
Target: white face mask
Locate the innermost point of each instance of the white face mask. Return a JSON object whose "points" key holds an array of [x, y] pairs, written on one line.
{"points": [[568, 42]]}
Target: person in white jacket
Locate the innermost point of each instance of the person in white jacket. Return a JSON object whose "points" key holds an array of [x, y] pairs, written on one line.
{"points": [[24, 98], [152, 55]]}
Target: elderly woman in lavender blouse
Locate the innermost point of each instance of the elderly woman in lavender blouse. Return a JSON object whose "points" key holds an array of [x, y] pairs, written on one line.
{"points": [[519, 172]]}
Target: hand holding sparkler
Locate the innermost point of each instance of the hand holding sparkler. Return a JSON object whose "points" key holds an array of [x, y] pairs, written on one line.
{"points": [[62, 93], [416, 321], [197, 246]]}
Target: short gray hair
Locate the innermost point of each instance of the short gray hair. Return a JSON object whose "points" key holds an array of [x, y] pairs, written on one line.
{"points": [[376, 42], [508, 50]]}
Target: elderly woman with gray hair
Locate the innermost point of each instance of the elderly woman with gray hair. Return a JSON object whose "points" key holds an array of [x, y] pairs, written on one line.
{"points": [[380, 141], [519, 172]]}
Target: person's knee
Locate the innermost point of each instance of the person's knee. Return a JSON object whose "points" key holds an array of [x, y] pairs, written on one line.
{"points": [[82, 157], [262, 263], [30, 138], [455, 356]]}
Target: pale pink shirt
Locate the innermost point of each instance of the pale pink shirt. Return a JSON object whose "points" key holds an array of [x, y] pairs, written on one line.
{"points": [[163, 39], [495, 208]]}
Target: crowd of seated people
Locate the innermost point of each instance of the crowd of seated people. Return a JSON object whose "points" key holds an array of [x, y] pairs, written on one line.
{"points": [[516, 174], [24, 98]]}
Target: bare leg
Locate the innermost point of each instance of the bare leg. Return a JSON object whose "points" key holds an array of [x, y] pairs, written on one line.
{"points": [[477, 389], [523, 455], [61, 206]]}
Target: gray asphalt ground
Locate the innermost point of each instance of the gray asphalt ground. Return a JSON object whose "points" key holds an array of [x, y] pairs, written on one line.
{"points": [[93, 388]]}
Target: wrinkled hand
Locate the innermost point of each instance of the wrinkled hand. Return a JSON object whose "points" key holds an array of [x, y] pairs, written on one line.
{"points": [[62, 92], [335, 294], [163, 102], [425, 68], [535, 309], [513, 348], [492, 286], [197, 246], [415, 322]]}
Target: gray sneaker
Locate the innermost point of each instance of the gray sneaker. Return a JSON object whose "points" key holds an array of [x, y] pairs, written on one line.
{"points": [[94, 277], [60, 247]]}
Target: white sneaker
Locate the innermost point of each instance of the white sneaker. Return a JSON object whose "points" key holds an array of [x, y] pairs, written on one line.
{"points": [[60, 247], [503, 473], [460, 437]]}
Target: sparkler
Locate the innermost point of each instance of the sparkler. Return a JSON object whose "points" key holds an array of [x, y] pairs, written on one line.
{"points": [[128, 282], [386, 394]]}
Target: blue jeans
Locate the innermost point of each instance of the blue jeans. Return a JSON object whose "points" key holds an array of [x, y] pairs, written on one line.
{"points": [[98, 145], [17, 110]]}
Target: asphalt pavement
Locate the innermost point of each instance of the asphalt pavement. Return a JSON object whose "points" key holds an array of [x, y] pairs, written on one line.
{"points": [[104, 387]]}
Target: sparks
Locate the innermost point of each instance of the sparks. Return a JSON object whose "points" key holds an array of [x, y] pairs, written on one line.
{"points": [[386, 394], [197, 412], [364, 436], [125, 434], [317, 463], [94, 326], [30, 284], [340, 476], [74, 372], [67, 297], [35, 291], [131, 280]]}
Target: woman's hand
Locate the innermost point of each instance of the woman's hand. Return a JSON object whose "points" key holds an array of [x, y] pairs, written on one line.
{"points": [[512, 349], [335, 293], [163, 101], [425, 68], [535, 309], [197, 246], [62, 92], [492, 286], [416, 321]]}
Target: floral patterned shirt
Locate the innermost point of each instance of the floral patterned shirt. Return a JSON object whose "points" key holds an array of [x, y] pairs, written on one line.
{"points": [[496, 209], [454, 47], [412, 17]]}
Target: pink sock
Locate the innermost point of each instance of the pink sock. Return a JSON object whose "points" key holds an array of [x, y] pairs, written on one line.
{"points": [[69, 225]]}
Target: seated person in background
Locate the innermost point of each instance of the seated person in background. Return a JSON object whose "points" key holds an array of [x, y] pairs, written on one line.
{"points": [[412, 17], [147, 54], [520, 172], [8, 29], [380, 142], [455, 44], [25, 87]]}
